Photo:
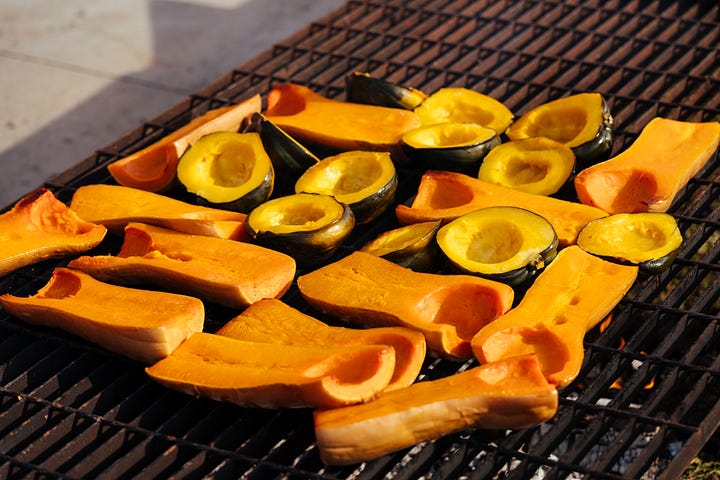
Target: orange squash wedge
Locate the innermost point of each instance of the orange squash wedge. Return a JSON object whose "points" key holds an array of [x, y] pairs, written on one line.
{"points": [[368, 290], [572, 295], [445, 196], [143, 325], [507, 394], [270, 375], [234, 274], [272, 321], [115, 206], [341, 125], [154, 168], [647, 176], [39, 227]]}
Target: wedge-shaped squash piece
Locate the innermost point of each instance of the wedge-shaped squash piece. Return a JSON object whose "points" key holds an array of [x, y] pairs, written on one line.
{"points": [[572, 295], [271, 375], [272, 321], [154, 167], [331, 123], [115, 206], [446, 196], [367, 290], [361, 87], [39, 227], [143, 325], [412, 246], [647, 176], [234, 274], [507, 394]]}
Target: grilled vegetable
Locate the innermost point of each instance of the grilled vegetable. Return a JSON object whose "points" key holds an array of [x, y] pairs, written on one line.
{"points": [[39, 227], [465, 106], [154, 167], [631, 182], [412, 246], [365, 181], [311, 117], [271, 375], [575, 292], [143, 325], [448, 195], [509, 394], [272, 321], [367, 290], [536, 165], [228, 170], [231, 273], [115, 206], [290, 159], [309, 227], [649, 240], [506, 244], [459, 147], [362, 88], [582, 122]]}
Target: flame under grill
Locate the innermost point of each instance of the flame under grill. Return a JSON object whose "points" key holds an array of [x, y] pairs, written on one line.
{"points": [[69, 409]]}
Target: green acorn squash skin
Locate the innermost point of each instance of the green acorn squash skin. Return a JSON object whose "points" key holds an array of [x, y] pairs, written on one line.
{"points": [[363, 88]]}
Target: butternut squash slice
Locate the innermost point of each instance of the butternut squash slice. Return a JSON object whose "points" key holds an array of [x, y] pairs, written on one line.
{"points": [[572, 295], [335, 124], [234, 274], [154, 167], [445, 196], [143, 325], [507, 394], [271, 375], [647, 176], [367, 290], [272, 321], [39, 227], [115, 206]]}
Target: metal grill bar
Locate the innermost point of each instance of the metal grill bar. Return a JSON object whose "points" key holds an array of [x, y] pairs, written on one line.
{"points": [[71, 410]]}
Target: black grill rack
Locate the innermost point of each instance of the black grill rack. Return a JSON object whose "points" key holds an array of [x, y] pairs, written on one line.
{"points": [[69, 409]]}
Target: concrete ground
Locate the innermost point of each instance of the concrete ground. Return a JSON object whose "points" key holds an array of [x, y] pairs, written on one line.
{"points": [[77, 74]]}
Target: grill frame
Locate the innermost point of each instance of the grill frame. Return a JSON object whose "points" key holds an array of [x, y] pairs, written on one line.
{"points": [[69, 409]]}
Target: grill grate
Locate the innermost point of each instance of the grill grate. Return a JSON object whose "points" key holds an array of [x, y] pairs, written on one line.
{"points": [[71, 410]]}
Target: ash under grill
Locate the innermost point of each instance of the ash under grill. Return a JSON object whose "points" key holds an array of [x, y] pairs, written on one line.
{"points": [[71, 410]]}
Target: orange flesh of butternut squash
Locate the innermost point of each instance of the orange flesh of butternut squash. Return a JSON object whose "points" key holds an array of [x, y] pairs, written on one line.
{"points": [[446, 196], [647, 176], [142, 325], [572, 295], [39, 227], [341, 125], [256, 374], [272, 321], [507, 394], [234, 274], [368, 290], [154, 168], [115, 206]]}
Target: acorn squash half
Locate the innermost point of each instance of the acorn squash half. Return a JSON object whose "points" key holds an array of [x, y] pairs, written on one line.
{"points": [[309, 227], [454, 104], [228, 170], [583, 122], [536, 165], [363, 88], [506, 244], [454, 146], [412, 246], [649, 240], [365, 181]]}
